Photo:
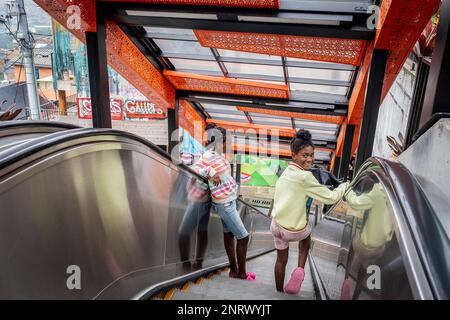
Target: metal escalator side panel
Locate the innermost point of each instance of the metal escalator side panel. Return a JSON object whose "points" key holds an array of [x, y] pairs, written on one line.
{"points": [[83, 208], [429, 237], [100, 200], [364, 237]]}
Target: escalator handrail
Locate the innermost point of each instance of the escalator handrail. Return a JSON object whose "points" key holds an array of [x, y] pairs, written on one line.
{"points": [[430, 238], [28, 148], [8, 125], [252, 207]]}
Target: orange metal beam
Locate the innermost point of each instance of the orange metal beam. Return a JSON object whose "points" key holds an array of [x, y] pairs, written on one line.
{"points": [[340, 139], [356, 103], [332, 161], [401, 24], [132, 64], [346, 51], [191, 121], [304, 116], [196, 82]]}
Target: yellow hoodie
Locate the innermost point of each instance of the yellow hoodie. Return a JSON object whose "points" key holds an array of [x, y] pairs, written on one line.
{"points": [[291, 194]]}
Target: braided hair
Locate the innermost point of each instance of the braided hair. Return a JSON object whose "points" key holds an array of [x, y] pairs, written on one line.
{"points": [[301, 140]]}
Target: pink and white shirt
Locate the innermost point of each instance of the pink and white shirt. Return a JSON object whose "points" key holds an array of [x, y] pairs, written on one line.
{"points": [[210, 164]]}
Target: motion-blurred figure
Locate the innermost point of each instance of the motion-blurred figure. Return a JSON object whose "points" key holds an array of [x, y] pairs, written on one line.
{"points": [[369, 242]]}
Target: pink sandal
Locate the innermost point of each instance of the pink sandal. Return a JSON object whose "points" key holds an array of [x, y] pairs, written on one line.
{"points": [[295, 282], [250, 276]]}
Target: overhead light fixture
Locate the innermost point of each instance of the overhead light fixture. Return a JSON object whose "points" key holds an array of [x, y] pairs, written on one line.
{"points": [[163, 14], [300, 18]]}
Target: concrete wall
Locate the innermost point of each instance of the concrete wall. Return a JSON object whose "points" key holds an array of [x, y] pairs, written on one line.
{"points": [[428, 159], [394, 111], [43, 72], [152, 130]]}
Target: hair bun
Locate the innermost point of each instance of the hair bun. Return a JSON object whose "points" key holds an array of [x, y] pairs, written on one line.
{"points": [[210, 126], [304, 135]]}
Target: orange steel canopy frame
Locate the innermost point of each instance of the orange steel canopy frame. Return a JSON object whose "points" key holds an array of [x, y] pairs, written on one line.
{"points": [[229, 59]]}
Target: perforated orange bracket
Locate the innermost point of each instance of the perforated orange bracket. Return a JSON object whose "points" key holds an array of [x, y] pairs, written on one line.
{"points": [[78, 16], [190, 120], [346, 51], [196, 82], [340, 139], [131, 63]]}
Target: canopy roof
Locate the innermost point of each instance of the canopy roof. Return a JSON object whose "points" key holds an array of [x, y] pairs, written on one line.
{"points": [[257, 65]]}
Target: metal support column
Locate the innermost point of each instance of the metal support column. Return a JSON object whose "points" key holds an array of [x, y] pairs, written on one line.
{"points": [[346, 152], [98, 75], [172, 127], [415, 111], [371, 106], [238, 168], [337, 163], [437, 95]]}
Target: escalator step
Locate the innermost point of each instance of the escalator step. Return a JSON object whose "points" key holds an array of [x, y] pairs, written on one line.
{"points": [[169, 294]]}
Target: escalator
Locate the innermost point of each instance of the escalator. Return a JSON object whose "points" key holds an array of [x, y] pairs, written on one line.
{"points": [[106, 203], [384, 241], [110, 205]]}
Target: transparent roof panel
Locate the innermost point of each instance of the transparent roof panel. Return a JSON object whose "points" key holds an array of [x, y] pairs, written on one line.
{"points": [[247, 55], [306, 60], [171, 31], [186, 47], [254, 69], [322, 74], [331, 127], [263, 81], [272, 123], [186, 64], [230, 117], [218, 107], [301, 87], [317, 124], [321, 135], [274, 119]]}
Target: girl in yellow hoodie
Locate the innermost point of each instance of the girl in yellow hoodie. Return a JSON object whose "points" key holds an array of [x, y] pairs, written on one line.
{"points": [[289, 214]]}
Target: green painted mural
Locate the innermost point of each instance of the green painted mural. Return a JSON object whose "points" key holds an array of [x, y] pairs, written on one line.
{"points": [[260, 172]]}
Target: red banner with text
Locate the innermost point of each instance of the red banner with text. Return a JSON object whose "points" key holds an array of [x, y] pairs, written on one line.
{"points": [[84, 106], [143, 109]]}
